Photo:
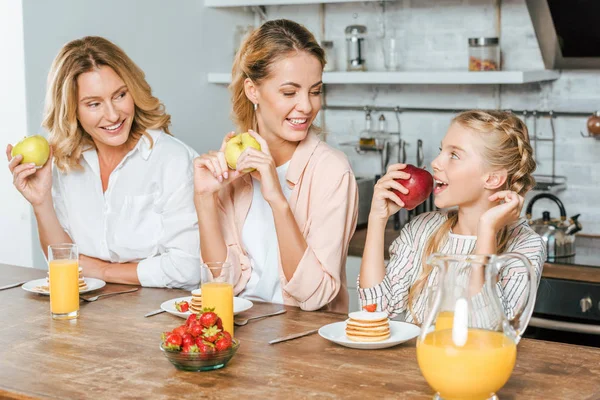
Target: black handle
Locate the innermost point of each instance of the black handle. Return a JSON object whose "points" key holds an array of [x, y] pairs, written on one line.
{"points": [[561, 207]]}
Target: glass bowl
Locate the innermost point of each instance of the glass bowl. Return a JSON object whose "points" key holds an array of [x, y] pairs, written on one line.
{"points": [[200, 362]]}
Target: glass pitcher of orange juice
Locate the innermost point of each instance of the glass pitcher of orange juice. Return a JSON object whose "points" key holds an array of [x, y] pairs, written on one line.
{"points": [[474, 319], [217, 291]]}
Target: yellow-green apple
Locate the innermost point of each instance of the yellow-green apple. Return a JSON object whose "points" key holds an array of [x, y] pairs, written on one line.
{"points": [[236, 146], [419, 185], [34, 149]]}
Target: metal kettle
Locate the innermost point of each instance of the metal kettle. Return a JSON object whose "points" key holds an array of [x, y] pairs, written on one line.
{"points": [[557, 233]]}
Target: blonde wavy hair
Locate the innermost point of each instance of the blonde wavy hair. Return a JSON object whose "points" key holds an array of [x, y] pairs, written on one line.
{"points": [[67, 137], [271, 42], [505, 146]]}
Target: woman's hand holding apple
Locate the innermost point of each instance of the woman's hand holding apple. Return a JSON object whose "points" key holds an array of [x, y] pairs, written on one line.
{"points": [[385, 203], [265, 171], [33, 183], [211, 172]]}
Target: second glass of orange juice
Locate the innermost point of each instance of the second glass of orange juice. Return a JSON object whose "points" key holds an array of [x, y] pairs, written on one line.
{"points": [[63, 265], [217, 291]]}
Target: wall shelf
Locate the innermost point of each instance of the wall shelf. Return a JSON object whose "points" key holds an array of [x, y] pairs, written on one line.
{"points": [[242, 3], [424, 77]]}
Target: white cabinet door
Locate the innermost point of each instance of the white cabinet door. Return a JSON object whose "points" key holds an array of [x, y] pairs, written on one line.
{"points": [[352, 270]]}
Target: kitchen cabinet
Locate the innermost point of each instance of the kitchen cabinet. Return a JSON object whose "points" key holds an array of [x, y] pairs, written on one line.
{"points": [[352, 270]]}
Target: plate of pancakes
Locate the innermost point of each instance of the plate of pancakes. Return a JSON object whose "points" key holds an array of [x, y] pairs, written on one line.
{"points": [[42, 286], [195, 302], [369, 330]]}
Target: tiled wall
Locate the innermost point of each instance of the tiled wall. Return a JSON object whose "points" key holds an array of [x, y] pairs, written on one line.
{"points": [[435, 34]]}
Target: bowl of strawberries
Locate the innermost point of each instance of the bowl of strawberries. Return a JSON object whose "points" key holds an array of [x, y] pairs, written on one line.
{"points": [[201, 344]]}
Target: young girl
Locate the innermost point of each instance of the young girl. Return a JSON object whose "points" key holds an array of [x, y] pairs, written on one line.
{"points": [[483, 171], [285, 228]]}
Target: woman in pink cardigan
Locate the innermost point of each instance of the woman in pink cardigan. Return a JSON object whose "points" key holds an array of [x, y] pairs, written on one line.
{"points": [[285, 226]]}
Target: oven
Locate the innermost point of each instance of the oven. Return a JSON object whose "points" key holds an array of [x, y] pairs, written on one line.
{"points": [[568, 311]]}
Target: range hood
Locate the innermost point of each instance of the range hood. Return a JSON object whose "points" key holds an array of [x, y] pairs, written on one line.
{"points": [[568, 32]]}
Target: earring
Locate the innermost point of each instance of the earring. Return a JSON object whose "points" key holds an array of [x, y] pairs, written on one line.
{"points": [[255, 106]]}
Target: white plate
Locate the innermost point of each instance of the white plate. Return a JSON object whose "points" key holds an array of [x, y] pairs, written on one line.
{"points": [[239, 305], [400, 332], [92, 284]]}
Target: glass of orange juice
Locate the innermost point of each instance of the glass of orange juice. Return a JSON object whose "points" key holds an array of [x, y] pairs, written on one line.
{"points": [[63, 265], [217, 291]]}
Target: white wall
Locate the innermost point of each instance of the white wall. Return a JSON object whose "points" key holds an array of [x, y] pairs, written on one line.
{"points": [[15, 213], [435, 36], [176, 43]]}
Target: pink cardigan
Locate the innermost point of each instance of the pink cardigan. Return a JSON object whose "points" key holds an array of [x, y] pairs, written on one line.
{"points": [[324, 201]]}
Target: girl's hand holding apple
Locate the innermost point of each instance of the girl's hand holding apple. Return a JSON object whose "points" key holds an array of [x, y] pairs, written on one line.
{"points": [[403, 186]]}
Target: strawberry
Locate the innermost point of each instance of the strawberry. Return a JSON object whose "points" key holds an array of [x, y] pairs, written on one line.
{"points": [[227, 334], [190, 348], [211, 334], [219, 323], [208, 319], [195, 330], [187, 339], [173, 341], [224, 342], [192, 318], [205, 347], [182, 306], [180, 330], [370, 307]]}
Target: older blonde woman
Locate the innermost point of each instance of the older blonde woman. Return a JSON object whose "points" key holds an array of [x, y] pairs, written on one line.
{"points": [[122, 186]]}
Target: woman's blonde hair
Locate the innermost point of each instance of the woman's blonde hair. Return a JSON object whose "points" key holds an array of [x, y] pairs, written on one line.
{"points": [[67, 137], [505, 146], [271, 42]]}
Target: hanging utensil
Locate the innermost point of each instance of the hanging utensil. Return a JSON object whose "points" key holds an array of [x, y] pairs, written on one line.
{"points": [[420, 164], [385, 156], [535, 137], [401, 158]]}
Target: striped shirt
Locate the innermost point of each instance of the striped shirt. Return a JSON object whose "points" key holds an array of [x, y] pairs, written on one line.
{"points": [[405, 267]]}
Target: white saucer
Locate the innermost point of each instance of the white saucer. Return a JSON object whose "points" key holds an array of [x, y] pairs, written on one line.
{"points": [[92, 284], [400, 332], [239, 305]]}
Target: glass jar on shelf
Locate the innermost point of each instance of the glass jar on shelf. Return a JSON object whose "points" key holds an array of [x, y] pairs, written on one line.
{"points": [[240, 34], [355, 47], [484, 54], [329, 55], [367, 136]]}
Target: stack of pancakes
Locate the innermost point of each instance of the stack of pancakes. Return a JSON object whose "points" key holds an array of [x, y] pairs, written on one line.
{"points": [[196, 302], [364, 326], [82, 284]]}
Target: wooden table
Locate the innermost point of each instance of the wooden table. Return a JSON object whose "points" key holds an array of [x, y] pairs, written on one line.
{"points": [[112, 351], [551, 270]]}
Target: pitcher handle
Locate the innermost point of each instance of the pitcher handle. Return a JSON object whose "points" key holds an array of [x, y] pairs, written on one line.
{"points": [[521, 319]]}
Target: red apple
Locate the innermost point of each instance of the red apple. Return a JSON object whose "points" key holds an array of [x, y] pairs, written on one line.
{"points": [[419, 185]]}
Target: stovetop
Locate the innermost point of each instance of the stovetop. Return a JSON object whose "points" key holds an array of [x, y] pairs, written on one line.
{"points": [[586, 260], [587, 253]]}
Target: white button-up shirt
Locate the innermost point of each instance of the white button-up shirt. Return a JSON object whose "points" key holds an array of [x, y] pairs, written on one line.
{"points": [[146, 215]]}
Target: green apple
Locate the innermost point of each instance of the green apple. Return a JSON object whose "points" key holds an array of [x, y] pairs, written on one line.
{"points": [[34, 149], [236, 146]]}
